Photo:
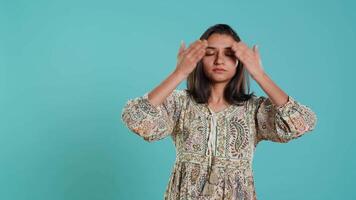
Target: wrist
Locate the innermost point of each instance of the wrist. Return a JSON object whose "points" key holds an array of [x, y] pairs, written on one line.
{"points": [[259, 75], [179, 74]]}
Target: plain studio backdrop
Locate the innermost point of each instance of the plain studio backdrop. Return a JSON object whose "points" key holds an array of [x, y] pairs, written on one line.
{"points": [[68, 67]]}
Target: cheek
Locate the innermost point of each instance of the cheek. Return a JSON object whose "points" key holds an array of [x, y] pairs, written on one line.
{"points": [[207, 61], [233, 62]]}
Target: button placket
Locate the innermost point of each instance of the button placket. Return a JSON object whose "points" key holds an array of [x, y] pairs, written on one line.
{"points": [[211, 150]]}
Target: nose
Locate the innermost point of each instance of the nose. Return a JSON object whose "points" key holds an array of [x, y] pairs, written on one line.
{"points": [[219, 59]]}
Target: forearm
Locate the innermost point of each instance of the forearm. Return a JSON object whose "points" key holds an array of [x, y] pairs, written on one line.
{"points": [[165, 88], [276, 94]]}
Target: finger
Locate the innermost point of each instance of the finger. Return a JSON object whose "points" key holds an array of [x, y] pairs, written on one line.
{"points": [[199, 53], [199, 49], [242, 44], [241, 48], [241, 55], [181, 48], [194, 46], [238, 49], [237, 45], [256, 50]]}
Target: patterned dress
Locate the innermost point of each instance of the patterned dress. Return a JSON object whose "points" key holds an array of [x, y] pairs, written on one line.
{"points": [[214, 150]]}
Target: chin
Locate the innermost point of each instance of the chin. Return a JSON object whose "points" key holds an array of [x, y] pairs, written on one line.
{"points": [[219, 79]]}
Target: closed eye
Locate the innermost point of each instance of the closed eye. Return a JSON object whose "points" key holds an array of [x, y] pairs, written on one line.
{"points": [[228, 53]]}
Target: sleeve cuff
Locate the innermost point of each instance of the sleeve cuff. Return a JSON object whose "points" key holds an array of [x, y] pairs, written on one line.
{"points": [[148, 106], [287, 106]]}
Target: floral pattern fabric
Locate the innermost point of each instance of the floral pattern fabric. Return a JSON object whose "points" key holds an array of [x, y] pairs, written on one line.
{"points": [[214, 150]]}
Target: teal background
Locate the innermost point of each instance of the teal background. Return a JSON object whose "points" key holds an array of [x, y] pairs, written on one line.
{"points": [[68, 67]]}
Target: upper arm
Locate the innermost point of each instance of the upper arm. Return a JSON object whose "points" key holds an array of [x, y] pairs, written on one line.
{"points": [[153, 122], [282, 123]]}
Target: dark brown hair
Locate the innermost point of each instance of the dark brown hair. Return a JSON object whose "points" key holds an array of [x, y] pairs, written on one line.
{"points": [[236, 91]]}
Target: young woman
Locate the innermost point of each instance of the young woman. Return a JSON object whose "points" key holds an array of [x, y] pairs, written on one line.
{"points": [[215, 123]]}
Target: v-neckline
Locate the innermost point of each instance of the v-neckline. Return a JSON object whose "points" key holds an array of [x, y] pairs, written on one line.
{"points": [[203, 107], [217, 112]]}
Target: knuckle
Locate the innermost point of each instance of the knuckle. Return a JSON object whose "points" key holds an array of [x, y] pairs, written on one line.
{"points": [[190, 58]]}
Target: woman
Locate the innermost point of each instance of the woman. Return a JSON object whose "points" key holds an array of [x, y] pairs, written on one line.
{"points": [[215, 124]]}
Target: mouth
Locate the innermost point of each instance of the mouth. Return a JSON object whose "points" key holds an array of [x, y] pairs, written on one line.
{"points": [[218, 70]]}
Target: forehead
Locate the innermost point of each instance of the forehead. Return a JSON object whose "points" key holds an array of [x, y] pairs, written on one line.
{"points": [[220, 41]]}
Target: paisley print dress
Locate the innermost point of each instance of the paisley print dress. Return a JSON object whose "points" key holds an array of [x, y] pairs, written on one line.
{"points": [[214, 150]]}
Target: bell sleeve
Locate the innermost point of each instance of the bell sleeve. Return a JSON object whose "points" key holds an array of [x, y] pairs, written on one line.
{"points": [[151, 122], [282, 123]]}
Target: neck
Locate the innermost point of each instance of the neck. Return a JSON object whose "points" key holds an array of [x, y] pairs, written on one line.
{"points": [[217, 93]]}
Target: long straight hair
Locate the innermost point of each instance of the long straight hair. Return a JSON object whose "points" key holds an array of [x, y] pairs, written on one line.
{"points": [[236, 91]]}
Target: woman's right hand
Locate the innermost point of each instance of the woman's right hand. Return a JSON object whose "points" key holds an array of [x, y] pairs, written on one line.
{"points": [[187, 59]]}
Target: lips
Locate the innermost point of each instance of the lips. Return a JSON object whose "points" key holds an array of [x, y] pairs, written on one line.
{"points": [[218, 70]]}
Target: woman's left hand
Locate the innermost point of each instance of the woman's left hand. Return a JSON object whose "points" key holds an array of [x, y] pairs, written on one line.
{"points": [[249, 57]]}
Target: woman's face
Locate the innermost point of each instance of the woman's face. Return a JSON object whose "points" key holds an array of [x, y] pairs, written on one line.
{"points": [[219, 56]]}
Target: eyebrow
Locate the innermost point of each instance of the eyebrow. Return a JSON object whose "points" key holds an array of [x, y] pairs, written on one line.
{"points": [[210, 47]]}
